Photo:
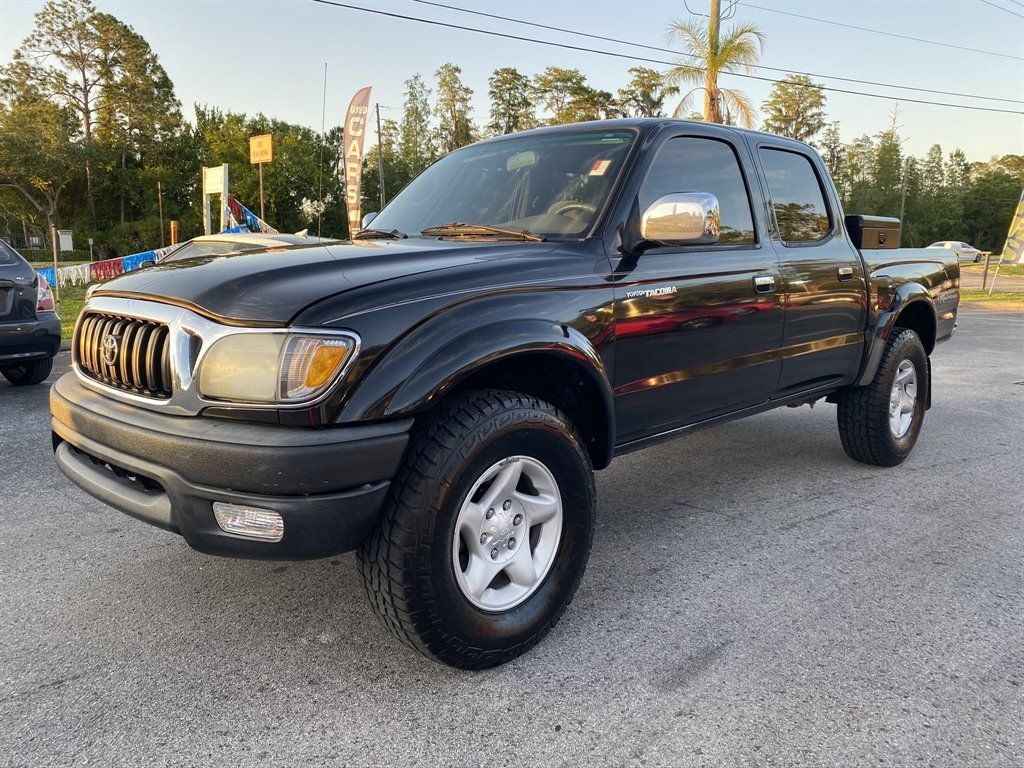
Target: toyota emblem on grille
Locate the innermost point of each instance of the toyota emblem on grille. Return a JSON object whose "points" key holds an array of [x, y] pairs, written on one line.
{"points": [[110, 345]]}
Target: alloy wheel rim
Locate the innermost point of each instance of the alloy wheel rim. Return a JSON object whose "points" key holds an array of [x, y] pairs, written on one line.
{"points": [[902, 399], [507, 533]]}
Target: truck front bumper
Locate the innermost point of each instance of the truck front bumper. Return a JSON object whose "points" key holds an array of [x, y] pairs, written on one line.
{"points": [[328, 485]]}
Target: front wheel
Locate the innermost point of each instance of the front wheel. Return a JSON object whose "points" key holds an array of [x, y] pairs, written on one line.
{"points": [[25, 374], [486, 532], [879, 423]]}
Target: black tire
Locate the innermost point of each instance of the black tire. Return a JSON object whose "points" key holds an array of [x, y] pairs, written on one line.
{"points": [[863, 412], [407, 561], [25, 374]]}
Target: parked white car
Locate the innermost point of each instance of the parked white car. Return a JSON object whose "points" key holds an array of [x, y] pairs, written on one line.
{"points": [[965, 252]]}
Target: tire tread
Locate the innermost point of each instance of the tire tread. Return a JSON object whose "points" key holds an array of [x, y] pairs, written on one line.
{"points": [[413, 494]]}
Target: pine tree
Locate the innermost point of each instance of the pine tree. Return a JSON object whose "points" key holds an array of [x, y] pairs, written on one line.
{"points": [[511, 106], [795, 108], [645, 94], [454, 127], [415, 139]]}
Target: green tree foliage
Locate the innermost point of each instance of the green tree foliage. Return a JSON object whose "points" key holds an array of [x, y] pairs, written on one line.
{"points": [[68, 57], [454, 128], [396, 170], [139, 118], [415, 139], [941, 198], [555, 88], [565, 94], [89, 122], [645, 94], [737, 50], [831, 148], [224, 138], [795, 108], [39, 154], [512, 107]]}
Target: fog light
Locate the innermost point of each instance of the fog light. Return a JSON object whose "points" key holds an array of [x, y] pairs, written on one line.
{"points": [[251, 522]]}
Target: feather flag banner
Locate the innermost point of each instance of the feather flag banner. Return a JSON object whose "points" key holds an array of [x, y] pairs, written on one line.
{"points": [[352, 143]]}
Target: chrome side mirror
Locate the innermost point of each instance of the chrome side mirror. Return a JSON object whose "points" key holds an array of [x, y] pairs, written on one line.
{"points": [[682, 218], [368, 219]]}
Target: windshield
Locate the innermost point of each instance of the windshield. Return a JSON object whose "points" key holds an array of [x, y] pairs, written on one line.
{"points": [[208, 248], [551, 185]]}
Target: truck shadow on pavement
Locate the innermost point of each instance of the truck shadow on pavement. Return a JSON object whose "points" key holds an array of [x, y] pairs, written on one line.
{"points": [[688, 497]]}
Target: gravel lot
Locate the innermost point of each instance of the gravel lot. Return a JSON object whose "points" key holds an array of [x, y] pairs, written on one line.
{"points": [[753, 598]]}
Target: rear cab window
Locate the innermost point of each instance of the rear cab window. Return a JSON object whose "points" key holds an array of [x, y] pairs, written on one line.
{"points": [[698, 164], [798, 199]]}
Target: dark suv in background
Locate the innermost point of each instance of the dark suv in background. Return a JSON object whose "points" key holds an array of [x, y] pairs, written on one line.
{"points": [[29, 327]]}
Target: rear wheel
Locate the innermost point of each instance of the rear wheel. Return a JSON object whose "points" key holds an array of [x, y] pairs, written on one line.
{"points": [[879, 424], [486, 532], [25, 374]]}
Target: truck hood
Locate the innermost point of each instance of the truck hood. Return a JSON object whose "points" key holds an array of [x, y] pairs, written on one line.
{"points": [[273, 286]]}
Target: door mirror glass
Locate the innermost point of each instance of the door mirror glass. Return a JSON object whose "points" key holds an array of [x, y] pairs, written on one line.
{"points": [[368, 219], [682, 218]]}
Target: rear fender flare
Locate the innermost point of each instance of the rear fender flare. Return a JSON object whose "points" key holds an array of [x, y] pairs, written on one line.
{"points": [[905, 295]]}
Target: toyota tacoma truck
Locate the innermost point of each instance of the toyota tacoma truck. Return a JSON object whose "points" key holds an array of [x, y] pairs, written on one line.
{"points": [[437, 392]]}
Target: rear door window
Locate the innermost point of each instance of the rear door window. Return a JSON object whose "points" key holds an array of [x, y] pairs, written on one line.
{"points": [[797, 196]]}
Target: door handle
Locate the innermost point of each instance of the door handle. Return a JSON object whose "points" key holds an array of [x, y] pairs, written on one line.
{"points": [[764, 283], [845, 273]]}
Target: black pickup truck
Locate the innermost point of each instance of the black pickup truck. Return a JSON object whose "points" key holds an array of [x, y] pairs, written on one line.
{"points": [[437, 392]]}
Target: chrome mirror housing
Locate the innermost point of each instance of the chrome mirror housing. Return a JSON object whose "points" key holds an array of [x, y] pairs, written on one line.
{"points": [[368, 219], [682, 218]]}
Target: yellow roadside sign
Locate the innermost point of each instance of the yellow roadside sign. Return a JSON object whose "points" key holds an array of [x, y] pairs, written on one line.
{"points": [[261, 149]]}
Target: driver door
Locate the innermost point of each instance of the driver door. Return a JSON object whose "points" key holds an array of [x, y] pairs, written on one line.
{"points": [[698, 328]]}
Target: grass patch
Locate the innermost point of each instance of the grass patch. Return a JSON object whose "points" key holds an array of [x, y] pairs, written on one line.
{"points": [[1005, 269], [49, 264], [998, 300], [72, 299]]}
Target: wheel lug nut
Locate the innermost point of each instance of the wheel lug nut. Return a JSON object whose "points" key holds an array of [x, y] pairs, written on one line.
{"points": [[483, 538], [507, 504], [494, 554], [517, 520], [511, 542], [490, 514]]}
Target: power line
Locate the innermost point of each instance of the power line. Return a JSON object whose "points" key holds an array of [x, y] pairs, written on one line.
{"points": [[881, 32], [1007, 10], [683, 53], [631, 57]]}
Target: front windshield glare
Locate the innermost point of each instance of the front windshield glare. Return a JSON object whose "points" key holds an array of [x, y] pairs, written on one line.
{"points": [[551, 185]]}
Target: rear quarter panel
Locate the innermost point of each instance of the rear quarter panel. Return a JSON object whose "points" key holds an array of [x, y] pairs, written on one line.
{"points": [[903, 274]]}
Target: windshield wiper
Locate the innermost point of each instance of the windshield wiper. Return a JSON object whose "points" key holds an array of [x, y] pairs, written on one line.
{"points": [[379, 234], [461, 229]]}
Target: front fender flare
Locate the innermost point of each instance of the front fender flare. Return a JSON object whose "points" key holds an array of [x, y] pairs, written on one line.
{"points": [[437, 372]]}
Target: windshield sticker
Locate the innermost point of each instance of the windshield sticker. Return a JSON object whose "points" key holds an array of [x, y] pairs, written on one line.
{"points": [[600, 167]]}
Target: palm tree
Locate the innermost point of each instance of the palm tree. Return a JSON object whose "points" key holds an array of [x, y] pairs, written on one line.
{"points": [[738, 49]]}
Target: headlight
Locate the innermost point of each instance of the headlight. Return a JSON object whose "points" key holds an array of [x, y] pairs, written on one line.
{"points": [[273, 367]]}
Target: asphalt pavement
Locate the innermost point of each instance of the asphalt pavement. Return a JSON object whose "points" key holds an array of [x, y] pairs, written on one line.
{"points": [[753, 598]]}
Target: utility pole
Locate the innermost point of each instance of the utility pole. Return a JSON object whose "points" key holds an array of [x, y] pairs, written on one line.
{"points": [[160, 201], [380, 159], [712, 110], [903, 192]]}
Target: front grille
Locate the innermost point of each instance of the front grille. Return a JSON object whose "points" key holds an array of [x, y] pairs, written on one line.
{"points": [[139, 353]]}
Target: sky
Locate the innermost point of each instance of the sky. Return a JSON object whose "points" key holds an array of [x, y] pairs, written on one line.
{"points": [[268, 56]]}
